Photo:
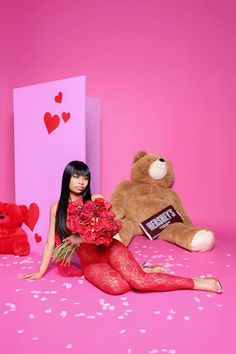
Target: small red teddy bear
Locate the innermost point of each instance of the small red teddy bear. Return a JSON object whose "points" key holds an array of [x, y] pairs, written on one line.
{"points": [[13, 239]]}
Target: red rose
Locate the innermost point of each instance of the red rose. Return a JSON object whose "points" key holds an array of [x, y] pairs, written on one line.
{"points": [[103, 241], [99, 201], [93, 221], [108, 205], [90, 206]]}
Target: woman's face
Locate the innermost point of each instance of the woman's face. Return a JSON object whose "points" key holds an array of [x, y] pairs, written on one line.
{"points": [[78, 183]]}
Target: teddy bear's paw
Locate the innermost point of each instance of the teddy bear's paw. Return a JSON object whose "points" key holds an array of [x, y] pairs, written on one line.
{"points": [[203, 241]]}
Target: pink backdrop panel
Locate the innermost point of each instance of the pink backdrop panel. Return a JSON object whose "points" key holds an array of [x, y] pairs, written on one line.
{"points": [[93, 141], [40, 157]]}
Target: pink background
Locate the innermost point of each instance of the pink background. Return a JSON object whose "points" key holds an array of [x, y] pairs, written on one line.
{"points": [[165, 73]]}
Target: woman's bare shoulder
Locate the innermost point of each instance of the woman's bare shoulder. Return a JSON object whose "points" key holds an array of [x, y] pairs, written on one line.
{"points": [[94, 196]]}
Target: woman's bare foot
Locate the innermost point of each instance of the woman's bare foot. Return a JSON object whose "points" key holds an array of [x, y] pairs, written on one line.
{"points": [[157, 268], [208, 284]]}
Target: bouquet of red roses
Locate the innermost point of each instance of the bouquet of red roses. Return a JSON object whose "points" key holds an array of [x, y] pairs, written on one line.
{"points": [[93, 221]]}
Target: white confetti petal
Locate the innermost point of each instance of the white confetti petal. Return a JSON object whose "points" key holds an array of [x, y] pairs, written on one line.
{"points": [[63, 314], [43, 298], [121, 317], [69, 346], [200, 308], [187, 318], [67, 285], [197, 299], [142, 330], [20, 331], [31, 316], [172, 311], [157, 312], [169, 317], [35, 292], [122, 331], [35, 338]]}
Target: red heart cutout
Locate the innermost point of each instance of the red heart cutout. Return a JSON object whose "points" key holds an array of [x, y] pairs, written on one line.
{"points": [[32, 216], [65, 116], [37, 238], [58, 98], [51, 122]]}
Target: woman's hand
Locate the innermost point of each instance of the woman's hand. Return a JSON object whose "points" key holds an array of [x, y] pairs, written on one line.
{"points": [[73, 240], [36, 275]]}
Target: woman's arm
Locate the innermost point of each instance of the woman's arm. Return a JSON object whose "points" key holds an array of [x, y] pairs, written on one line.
{"points": [[48, 249]]}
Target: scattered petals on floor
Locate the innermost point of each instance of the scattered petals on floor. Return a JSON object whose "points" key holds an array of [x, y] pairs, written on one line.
{"points": [[69, 314]]}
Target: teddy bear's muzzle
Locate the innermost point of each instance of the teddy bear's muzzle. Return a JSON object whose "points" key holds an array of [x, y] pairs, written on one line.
{"points": [[2, 217]]}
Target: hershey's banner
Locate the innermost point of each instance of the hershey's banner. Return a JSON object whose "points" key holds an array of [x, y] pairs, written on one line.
{"points": [[159, 221]]}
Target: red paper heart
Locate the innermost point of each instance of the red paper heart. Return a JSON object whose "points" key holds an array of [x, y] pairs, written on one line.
{"points": [[58, 98], [65, 116], [37, 238], [32, 216], [51, 122]]}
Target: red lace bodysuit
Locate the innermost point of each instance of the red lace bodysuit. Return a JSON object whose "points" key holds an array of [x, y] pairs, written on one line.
{"points": [[114, 270]]}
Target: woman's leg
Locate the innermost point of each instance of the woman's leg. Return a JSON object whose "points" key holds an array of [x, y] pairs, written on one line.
{"points": [[106, 278], [123, 261], [90, 253]]}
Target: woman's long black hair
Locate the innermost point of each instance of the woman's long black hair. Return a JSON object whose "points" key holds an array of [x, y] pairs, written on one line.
{"points": [[73, 168]]}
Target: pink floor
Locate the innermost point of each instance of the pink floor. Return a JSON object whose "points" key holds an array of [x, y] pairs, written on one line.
{"points": [[69, 315]]}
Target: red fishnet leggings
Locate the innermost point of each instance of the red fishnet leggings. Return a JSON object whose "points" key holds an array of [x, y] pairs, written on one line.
{"points": [[115, 271]]}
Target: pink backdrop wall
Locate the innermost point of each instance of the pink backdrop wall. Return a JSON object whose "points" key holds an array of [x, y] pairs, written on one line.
{"points": [[165, 74]]}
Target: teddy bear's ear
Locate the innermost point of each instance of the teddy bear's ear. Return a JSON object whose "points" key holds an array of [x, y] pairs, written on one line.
{"points": [[139, 155]]}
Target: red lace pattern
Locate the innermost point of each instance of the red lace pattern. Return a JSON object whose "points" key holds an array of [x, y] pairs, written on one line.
{"points": [[115, 271]]}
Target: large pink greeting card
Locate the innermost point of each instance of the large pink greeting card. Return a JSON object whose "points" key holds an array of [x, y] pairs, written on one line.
{"points": [[50, 130]]}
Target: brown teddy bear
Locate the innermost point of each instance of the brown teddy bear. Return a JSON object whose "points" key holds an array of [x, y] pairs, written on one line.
{"points": [[13, 239], [148, 193]]}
